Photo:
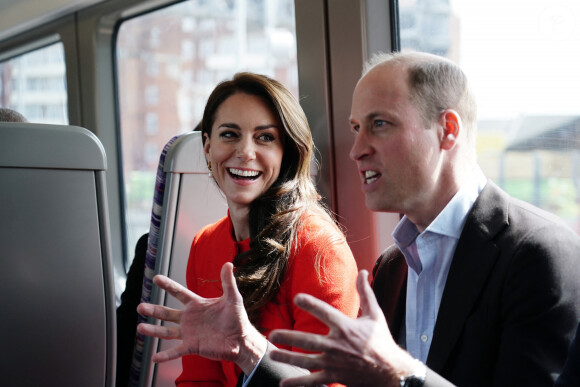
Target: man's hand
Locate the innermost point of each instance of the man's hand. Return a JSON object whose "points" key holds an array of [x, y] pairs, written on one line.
{"points": [[215, 328], [355, 352]]}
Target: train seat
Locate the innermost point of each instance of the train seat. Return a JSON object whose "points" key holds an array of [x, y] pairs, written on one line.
{"points": [[185, 199], [56, 289]]}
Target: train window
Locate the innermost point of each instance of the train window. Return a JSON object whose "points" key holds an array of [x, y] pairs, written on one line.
{"points": [[524, 71], [169, 60], [34, 84]]}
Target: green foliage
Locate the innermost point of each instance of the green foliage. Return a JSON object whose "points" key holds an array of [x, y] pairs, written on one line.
{"points": [[139, 189], [557, 195]]}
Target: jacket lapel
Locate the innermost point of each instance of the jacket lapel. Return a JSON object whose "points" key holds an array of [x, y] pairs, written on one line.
{"points": [[473, 261], [390, 287]]}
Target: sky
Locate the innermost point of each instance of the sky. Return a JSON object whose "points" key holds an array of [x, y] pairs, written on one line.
{"points": [[522, 56]]}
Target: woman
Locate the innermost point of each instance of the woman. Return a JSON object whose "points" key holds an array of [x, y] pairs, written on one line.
{"points": [[277, 234]]}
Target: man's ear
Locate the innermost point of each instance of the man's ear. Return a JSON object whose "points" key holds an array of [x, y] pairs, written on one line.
{"points": [[451, 123]]}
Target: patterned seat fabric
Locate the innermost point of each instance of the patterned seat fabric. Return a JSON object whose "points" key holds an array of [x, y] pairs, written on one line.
{"points": [[150, 260]]}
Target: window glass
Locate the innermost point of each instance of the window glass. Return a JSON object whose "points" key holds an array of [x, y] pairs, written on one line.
{"points": [[522, 64], [169, 61], [34, 84]]}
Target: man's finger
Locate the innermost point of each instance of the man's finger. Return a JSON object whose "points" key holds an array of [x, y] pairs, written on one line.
{"points": [[314, 379], [368, 301], [302, 360], [161, 331], [320, 309], [159, 312], [175, 289], [308, 341]]}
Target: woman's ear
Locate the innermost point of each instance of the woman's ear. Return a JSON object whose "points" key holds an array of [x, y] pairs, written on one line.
{"points": [[206, 145], [451, 122]]}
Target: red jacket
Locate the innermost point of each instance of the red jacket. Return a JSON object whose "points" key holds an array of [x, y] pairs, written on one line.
{"points": [[214, 245]]}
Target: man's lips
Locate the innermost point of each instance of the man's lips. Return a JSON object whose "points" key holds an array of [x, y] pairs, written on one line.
{"points": [[370, 176]]}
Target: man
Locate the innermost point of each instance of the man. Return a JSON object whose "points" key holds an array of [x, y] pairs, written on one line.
{"points": [[10, 115], [481, 289]]}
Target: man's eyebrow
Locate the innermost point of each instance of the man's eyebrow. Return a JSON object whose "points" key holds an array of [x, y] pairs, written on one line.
{"points": [[368, 117], [373, 115]]}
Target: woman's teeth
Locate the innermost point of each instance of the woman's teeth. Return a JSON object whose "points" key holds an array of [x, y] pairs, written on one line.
{"points": [[243, 173]]}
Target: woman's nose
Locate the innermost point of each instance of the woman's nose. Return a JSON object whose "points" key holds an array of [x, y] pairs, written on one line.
{"points": [[246, 149]]}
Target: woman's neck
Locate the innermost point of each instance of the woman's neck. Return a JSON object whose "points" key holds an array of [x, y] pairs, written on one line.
{"points": [[241, 221]]}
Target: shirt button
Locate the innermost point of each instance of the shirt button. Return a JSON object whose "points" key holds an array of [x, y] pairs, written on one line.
{"points": [[424, 338]]}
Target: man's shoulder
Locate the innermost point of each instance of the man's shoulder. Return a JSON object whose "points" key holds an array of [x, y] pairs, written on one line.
{"points": [[390, 269], [389, 257], [496, 210]]}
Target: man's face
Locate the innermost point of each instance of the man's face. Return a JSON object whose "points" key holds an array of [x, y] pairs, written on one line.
{"points": [[398, 158]]}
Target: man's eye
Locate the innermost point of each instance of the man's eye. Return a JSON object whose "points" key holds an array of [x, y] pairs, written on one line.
{"points": [[380, 123], [355, 128]]}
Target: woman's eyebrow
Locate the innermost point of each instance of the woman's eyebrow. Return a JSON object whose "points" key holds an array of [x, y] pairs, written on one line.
{"points": [[267, 126], [231, 125]]}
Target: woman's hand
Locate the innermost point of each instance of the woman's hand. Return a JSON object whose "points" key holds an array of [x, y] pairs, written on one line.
{"points": [[215, 328]]}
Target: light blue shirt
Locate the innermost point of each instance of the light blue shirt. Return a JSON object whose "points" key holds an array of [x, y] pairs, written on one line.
{"points": [[246, 379], [429, 255]]}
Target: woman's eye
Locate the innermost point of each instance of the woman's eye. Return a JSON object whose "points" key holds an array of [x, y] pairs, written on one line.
{"points": [[228, 134], [267, 137]]}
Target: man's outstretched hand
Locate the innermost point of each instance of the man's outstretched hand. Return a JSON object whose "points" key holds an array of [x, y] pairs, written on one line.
{"points": [[355, 352]]}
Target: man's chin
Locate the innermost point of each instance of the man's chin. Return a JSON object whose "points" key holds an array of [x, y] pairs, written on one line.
{"points": [[376, 205], [373, 205]]}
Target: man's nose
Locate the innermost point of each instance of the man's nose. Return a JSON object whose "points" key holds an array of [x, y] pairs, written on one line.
{"points": [[360, 147]]}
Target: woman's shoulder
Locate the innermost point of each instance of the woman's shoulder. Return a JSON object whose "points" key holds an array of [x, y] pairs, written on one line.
{"points": [[222, 226], [318, 238], [318, 224]]}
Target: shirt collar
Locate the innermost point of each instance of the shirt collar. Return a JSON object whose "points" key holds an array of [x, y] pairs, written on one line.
{"points": [[450, 221]]}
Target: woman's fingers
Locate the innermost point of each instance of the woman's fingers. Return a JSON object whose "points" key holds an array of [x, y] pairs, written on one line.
{"points": [[171, 332], [159, 312], [170, 354], [175, 289], [231, 292]]}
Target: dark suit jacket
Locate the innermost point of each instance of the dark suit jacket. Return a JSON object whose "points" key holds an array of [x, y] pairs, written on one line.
{"points": [[570, 376], [511, 301], [269, 373]]}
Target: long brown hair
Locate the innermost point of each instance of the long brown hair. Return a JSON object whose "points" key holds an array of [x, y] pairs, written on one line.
{"points": [[276, 215]]}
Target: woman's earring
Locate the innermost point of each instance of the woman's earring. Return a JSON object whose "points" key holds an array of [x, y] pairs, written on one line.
{"points": [[209, 167]]}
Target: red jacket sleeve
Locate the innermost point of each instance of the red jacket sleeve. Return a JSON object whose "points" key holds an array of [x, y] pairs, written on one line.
{"points": [[335, 283], [317, 244]]}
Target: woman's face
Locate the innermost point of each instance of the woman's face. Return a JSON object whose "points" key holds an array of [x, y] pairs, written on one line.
{"points": [[245, 148]]}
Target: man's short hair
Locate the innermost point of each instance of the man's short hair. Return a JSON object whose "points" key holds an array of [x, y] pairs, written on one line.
{"points": [[9, 115], [435, 84]]}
